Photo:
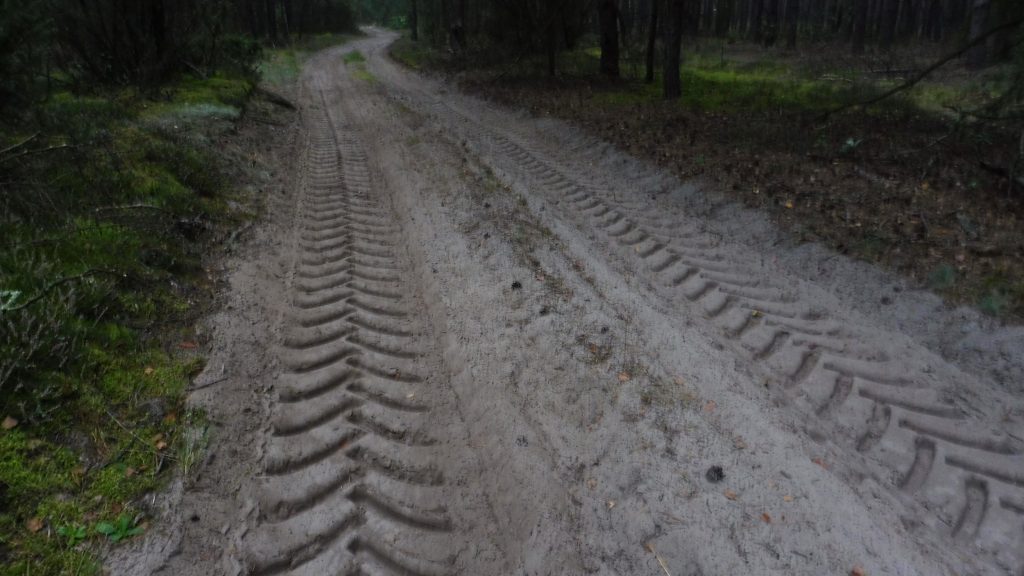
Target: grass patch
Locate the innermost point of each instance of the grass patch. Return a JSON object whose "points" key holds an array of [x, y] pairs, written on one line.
{"points": [[103, 234], [353, 57], [363, 74], [732, 89], [415, 55], [357, 61], [282, 66]]}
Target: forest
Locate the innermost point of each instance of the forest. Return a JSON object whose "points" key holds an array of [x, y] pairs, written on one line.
{"points": [[164, 168]]}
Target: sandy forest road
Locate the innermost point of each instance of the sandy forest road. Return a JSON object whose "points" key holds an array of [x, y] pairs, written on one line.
{"points": [[505, 349]]}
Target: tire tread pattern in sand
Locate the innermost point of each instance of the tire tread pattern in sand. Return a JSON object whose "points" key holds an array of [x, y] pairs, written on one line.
{"points": [[959, 464], [350, 482]]}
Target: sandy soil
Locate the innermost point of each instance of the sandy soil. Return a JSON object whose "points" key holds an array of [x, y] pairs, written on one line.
{"points": [[467, 341]]}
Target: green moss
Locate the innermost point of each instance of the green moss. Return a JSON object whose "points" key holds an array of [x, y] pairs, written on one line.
{"points": [[363, 74], [730, 89], [353, 57], [281, 67], [100, 407], [415, 55], [220, 90]]}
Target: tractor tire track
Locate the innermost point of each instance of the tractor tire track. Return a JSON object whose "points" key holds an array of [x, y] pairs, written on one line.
{"points": [[354, 478], [931, 433]]}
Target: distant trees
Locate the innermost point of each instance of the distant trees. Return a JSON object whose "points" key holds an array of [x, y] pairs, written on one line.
{"points": [[145, 42], [608, 16], [672, 87], [507, 30]]}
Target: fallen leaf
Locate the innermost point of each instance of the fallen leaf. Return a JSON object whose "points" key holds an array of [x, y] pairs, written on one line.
{"points": [[129, 472], [34, 524], [592, 483], [611, 504], [787, 498], [148, 371], [624, 376], [739, 443], [767, 519], [8, 423], [161, 445], [731, 495], [858, 571], [820, 462], [649, 547], [188, 345], [710, 406], [789, 204]]}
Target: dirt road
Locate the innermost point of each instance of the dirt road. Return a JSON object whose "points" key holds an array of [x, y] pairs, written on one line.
{"points": [[470, 342]]}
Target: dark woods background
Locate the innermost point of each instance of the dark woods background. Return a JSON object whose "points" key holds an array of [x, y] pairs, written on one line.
{"points": [[48, 45], [145, 42], [653, 29]]}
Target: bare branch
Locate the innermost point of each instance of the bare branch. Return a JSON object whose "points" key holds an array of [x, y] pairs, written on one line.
{"points": [[60, 282], [924, 73]]}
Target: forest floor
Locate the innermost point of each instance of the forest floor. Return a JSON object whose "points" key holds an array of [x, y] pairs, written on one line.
{"points": [[910, 183], [469, 340]]}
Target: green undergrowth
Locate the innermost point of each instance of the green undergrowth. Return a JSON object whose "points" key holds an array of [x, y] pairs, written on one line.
{"points": [[283, 65], [357, 62], [416, 55], [108, 206]]}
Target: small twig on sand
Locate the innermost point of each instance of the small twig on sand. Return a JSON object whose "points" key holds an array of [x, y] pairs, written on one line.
{"points": [[235, 234], [661, 562], [208, 384]]}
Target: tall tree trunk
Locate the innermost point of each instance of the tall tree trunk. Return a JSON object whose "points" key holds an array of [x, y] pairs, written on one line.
{"points": [[708, 15], [724, 19], [289, 15], [271, 6], [890, 13], [608, 16], [652, 35], [742, 15], [414, 20], [673, 46], [792, 22], [907, 20], [860, 24], [756, 15], [771, 24], [551, 44], [978, 56]]}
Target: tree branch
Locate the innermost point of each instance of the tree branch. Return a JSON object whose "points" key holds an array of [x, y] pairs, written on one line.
{"points": [[14, 147], [924, 73], [60, 282]]}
